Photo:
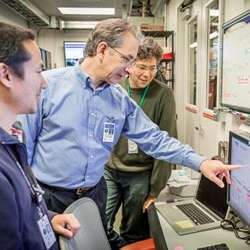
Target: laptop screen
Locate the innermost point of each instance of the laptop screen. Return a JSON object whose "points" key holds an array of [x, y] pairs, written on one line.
{"points": [[212, 196]]}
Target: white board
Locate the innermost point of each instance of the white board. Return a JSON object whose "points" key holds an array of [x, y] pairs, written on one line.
{"points": [[236, 65]]}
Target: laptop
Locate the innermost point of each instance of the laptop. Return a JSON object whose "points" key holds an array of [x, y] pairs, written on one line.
{"points": [[204, 212]]}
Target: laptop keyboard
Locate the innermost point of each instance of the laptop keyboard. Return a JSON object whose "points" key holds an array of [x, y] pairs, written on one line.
{"points": [[221, 246], [195, 214]]}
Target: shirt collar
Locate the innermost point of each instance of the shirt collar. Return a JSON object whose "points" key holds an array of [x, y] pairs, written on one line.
{"points": [[87, 82], [83, 76], [6, 138]]}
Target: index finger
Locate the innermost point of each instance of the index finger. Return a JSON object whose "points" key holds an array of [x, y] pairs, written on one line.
{"points": [[232, 167]]}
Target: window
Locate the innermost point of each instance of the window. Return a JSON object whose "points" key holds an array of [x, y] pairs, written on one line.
{"points": [[46, 59], [73, 51], [213, 48], [193, 61]]}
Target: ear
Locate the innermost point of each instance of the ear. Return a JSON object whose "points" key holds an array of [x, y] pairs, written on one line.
{"points": [[100, 49], [5, 75]]}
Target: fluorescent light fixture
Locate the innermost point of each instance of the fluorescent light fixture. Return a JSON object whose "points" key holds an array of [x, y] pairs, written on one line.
{"points": [[86, 11], [214, 12], [79, 24]]}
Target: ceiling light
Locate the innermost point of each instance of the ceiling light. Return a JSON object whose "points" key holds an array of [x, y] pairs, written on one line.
{"points": [[87, 11], [79, 24]]}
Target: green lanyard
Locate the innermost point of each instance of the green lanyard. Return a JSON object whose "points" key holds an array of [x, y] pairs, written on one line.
{"points": [[143, 95]]}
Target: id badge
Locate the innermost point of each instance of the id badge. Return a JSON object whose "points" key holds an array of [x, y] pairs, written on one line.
{"points": [[46, 231], [132, 147], [108, 132]]}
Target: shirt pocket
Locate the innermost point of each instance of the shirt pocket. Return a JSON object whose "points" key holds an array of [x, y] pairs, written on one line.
{"points": [[108, 129]]}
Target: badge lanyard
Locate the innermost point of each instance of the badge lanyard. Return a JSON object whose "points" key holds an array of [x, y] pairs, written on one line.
{"points": [[132, 146], [143, 95], [36, 192]]}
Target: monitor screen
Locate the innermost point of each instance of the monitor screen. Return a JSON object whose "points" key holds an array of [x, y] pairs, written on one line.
{"points": [[239, 190], [212, 196], [73, 51]]}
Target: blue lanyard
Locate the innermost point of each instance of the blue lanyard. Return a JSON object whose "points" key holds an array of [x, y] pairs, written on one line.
{"points": [[36, 191]]}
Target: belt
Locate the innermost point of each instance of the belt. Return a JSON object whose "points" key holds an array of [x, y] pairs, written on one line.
{"points": [[77, 191]]}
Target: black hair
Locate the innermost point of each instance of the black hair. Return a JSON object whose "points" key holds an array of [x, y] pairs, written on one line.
{"points": [[12, 51]]}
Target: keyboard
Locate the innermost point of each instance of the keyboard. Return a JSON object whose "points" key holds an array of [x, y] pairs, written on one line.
{"points": [[195, 214], [221, 246]]}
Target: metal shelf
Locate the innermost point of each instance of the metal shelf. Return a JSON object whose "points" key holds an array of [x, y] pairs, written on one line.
{"points": [[153, 33]]}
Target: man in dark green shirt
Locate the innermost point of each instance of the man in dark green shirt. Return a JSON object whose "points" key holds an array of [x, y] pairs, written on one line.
{"points": [[135, 179]]}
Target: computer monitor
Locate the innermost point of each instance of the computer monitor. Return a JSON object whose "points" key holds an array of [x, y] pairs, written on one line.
{"points": [[239, 190]]}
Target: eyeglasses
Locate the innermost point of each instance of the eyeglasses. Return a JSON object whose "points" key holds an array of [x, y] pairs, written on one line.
{"points": [[143, 68], [125, 59]]}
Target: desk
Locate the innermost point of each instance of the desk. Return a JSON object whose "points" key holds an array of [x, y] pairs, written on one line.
{"points": [[165, 233]]}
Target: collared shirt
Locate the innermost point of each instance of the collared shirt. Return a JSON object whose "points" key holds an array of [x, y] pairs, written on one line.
{"points": [[65, 138]]}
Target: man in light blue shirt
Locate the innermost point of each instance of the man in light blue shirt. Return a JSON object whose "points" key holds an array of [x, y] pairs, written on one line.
{"points": [[81, 116]]}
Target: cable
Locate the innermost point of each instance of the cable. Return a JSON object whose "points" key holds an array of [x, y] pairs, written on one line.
{"points": [[233, 225]]}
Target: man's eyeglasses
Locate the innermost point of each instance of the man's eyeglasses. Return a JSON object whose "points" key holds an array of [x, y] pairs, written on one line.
{"points": [[125, 59], [142, 68]]}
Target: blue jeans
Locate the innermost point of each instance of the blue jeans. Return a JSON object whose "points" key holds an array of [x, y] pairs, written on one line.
{"points": [[129, 190]]}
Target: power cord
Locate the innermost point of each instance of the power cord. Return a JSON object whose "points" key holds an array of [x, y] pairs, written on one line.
{"points": [[234, 225]]}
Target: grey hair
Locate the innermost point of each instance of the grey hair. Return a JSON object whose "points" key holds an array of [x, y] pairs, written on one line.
{"points": [[112, 32], [149, 48]]}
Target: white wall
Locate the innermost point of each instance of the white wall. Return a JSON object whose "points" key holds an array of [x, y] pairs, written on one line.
{"points": [[172, 24], [172, 14], [234, 8], [9, 16], [52, 40]]}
